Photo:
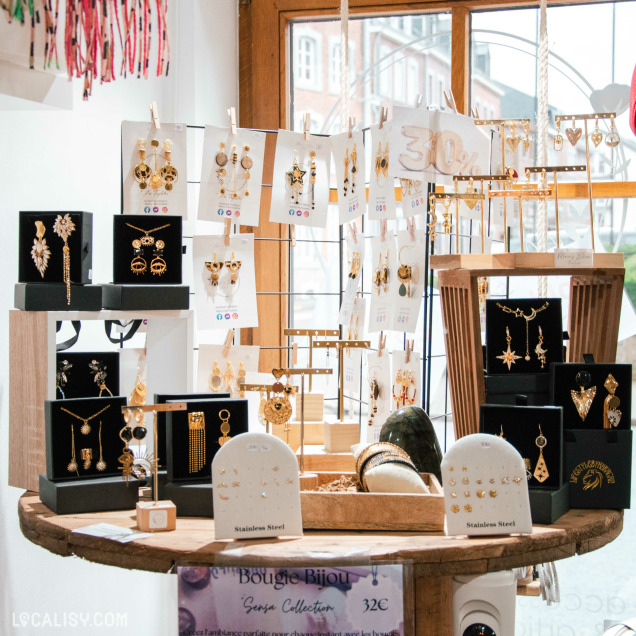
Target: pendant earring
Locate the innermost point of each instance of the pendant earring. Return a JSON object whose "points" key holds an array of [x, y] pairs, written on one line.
{"points": [[156, 182], [354, 168], [196, 428], [101, 464], [64, 227], [526, 140], [87, 457], [597, 135], [447, 224], [158, 265], [215, 381], [221, 162], [233, 266], [225, 426], [40, 252], [240, 381], [246, 164], [432, 209], [373, 398], [355, 265], [138, 264], [142, 171], [558, 138], [229, 377], [539, 350], [377, 277], [98, 369], [382, 161], [295, 179], [611, 413], [528, 465], [346, 172], [72, 466], [169, 174], [214, 267], [312, 156], [470, 189], [405, 275], [385, 273], [278, 408], [513, 140], [613, 138], [508, 357], [541, 470], [61, 378], [573, 134], [583, 397]]}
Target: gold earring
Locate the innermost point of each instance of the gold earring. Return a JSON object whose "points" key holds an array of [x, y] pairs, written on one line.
{"points": [[526, 139], [241, 380], [355, 265], [295, 178], [470, 189], [246, 164], [87, 457], [72, 465], [346, 172], [228, 377], [215, 381], [233, 266], [613, 138], [508, 357], [196, 426], [373, 398], [584, 397], [539, 350], [354, 168], [377, 277], [541, 470], [64, 227], [513, 140], [214, 267], [40, 252], [169, 174], [142, 171], [573, 134], [101, 464], [221, 161], [158, 265], [382, 161], [432, 209], [312, 156], [611, 413], [597, 135], [447, 224], [278, 408], [558, 137], [225, 426], [405, 274]]}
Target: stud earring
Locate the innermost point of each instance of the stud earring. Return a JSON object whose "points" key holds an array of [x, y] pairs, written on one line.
{"points": [[613, 138], [215, 381], [233, 266], [196, 427], [142, 171], [573, 134], [64, 227], [246, 164], [508, 357], [225, 426], [539, 350], [72, 465], [513, 140], [40, 252], [611, 413], [584, 397], [597, 135], [221, 161], [214, 267], [541, 470], [526, 140], [295, 178], [432, 209], [169, 174], [312, 156], [558, 137]]}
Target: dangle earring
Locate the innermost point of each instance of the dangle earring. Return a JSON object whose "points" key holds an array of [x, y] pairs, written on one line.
{"points": [[508, 357], [312, 156], [405, 275], [246, 164], [584, 397], [432, 205], [158, 265], [72, 466], [377, 277], [447, 224], [611, 413], [87, 457], [612, 139], [240, 381], [355, 265], [40, 252], [98, 369], [373, 398], [382, 161], [169, 174], [221, 162], [346, 172], [295, 178], [597, 135], [215, 381], [138, 264], [142, 171], [384, 278], [539, 350], [64, 227], [526, 140], [214, 267], [229, 377], [513, 140], [573, 134], [354, 168], [225, 426], [470, 189], [558, 137], [233, 266], [234, 162], [278, 409], [541, 470], [196, 426], [60, 376]]}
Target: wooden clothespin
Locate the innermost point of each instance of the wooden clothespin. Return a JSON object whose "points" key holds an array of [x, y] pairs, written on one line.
{"points": [[354, 232], [411, 227], [450, 100], [294, 355], [407, 351], [227, 345], [383, 227], [292, 234], [352, 123], [306, 123], [419, 101], [231, 113], [381, 343], [226, 231], [475, 113], [384, 113], [154, 115]]}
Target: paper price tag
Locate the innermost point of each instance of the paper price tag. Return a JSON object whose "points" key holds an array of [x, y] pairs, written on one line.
{"points": [[573, 258]]}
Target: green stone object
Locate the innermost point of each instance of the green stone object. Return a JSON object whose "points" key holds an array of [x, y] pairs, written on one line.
{"points": [[411, 429], [402, 290]]}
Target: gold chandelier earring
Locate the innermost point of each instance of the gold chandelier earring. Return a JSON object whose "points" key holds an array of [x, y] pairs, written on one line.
{"points": [[40, 252], [584, 397], [246, 164], [196, 428], [169, 173], [221, 161], [142, 171], [64, 227], [233, 267], [214, 267]]}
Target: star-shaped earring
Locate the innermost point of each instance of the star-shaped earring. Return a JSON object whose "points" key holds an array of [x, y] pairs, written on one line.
{"points": [[508, 357], [295, 177]]}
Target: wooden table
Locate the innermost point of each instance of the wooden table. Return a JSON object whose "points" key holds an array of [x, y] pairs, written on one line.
{"points": [[435, 558]]}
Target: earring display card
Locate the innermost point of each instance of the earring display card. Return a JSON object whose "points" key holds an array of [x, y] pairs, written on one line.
{"points": [[355, 259], [411, 261], [414, 194], [523, 335], [381, 181], [541, 448], [255, 489], [147, 250], [383, 259], [217, 372], [224, 282], [348, 155], [593, 396], [599, 468], [379, 389], [154, 168], [194, 437], [231, 175], [300, 184], [82, 438], [41, 245], [485, 488], [82, 375], [406, 380]]}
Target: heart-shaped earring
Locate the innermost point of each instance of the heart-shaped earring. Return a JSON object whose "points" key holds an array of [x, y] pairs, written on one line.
{"points": [[613, 138], [513, 140], [573, 134], [278, 373], [597, 135]]}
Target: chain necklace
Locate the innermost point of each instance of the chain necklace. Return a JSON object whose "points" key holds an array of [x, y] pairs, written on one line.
{"points": [[86, 429], [518, 313], [147, 239]]}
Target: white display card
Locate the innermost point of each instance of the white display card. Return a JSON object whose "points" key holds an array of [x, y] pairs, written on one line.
{"points": [[406, 380], [238, 358], [381, 181], [237, 193], [351, 367], [298, 197], [485, 487], [226, 305], [355, 254], [435, 146], [348, 155], [255, 488], [378, 369], [383, 279], [154, 198], [407, 296], [414, 194]]}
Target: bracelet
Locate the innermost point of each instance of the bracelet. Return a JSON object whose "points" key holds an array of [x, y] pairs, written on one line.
{"points": [[374, 449], [380, 460]]}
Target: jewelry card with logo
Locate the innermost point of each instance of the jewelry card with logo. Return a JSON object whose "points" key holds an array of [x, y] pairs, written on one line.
{"points": [[256, 492], [381, 180], [231, 175], [379, 386], [355, 259], [406, 382], [353, 357], [348, 155], [154, 168], [300, 188], [384, 277], [221, 373], [414, 192], [411, 261], [224, 282]]}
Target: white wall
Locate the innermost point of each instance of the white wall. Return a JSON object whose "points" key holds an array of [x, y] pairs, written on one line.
{"points": [[54, 159]]}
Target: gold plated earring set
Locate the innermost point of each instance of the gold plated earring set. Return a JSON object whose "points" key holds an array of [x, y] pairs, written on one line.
{"points": [[612, 139], [509, 357], [86, 453], [584, 397], [227, 381], [381, 276], [138, 265], [513, 140], [246, 163], [156, 178], [214, 267]]}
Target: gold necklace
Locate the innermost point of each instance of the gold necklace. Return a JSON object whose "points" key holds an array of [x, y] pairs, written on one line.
{"points": [[518, 313], [86, 429], [147, 239]]}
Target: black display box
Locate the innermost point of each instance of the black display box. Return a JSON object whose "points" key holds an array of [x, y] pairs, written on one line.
{"points": [[192, 499], [52, 297], [80, 381], [145, 297], [80, 243], [88, 495], [59, 438], [523, 343], [598, 466], [563, 382], [162, 398], [178, 438], [124, 252], [547, 506], [504, 389]]}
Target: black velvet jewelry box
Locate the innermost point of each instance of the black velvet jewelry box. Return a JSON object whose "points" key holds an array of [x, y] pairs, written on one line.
{"points": [[80, 381], [563, 382], [192, 498], [522, 343], [80, 243], [504, 389], [52, 297], [178, 435], [60, 441]]}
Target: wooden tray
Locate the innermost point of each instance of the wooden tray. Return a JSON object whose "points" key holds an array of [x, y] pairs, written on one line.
{"points": [[373, 511]]}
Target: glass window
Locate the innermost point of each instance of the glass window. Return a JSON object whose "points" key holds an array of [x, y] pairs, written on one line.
{"points": [[307, 61], [386, 71], [398, 81], [412, 81]]}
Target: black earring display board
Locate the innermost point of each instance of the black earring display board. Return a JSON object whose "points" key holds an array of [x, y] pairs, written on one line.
{"points": [[178, 435], [123, 251], [80, 243], [59, 440], [563, 382], [520, 425], [81, 381], [549, 319]]}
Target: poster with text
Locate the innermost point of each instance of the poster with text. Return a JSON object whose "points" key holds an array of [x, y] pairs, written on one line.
{"points": [[154, 168], [381, 181], [348, 155]]}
